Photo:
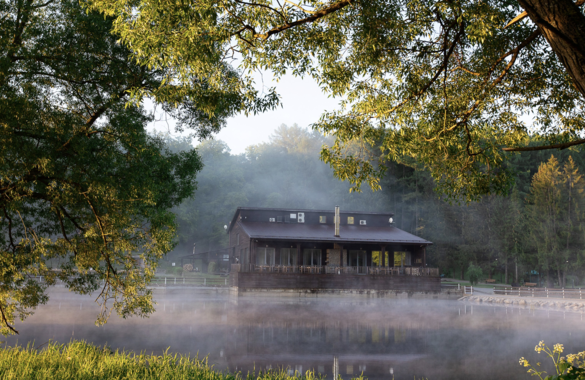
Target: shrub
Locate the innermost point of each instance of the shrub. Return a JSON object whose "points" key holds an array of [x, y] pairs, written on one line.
{"points": [[474, 273], [212, 267], [568, 367]]}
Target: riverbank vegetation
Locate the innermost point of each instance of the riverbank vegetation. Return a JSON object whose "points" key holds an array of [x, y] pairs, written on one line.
{"points": [[570, 367], [79, 360]]}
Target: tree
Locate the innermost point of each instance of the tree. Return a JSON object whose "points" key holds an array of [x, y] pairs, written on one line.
{"points": [[84, 189], [442, 82], [556, 211], [573, 195]]}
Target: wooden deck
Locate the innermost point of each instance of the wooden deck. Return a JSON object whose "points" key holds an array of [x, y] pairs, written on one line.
{"points": [[345, 281]]}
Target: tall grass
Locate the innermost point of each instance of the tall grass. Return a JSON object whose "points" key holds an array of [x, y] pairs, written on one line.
{"points": [[79, 360]]}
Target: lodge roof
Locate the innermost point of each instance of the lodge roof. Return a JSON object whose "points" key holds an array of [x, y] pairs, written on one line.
{"points": [[377, 227], [314, 232]]}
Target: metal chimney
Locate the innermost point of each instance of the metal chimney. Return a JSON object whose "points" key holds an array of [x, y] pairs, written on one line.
{"points": [[337, 219]]}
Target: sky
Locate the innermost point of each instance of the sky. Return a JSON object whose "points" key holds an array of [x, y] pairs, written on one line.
{"points": [[302, 102]]}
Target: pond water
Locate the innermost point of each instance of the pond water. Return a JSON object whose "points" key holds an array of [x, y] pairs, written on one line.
{"points": [[379, 338]]}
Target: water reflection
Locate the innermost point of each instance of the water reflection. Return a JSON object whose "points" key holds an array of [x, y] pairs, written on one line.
{"points": [[379, 338]]}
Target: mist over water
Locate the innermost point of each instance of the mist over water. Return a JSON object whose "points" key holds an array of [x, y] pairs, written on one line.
{"points": [[406, 338]]}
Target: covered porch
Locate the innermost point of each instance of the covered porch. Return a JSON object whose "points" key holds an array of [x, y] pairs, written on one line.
{"points": [[274, 256]]}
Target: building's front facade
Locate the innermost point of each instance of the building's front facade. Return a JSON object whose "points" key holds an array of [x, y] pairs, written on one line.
{"points": [[310, 242]]}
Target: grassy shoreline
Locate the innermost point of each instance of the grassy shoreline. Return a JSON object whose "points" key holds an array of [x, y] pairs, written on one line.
{"points": [[79, 360]]}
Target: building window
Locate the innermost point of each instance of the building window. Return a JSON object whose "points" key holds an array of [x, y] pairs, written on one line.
{"points": [[402, 259], [322, 219], [350, 220], [265, 256], [357, 258], [379, 259], [312, 257], [237, 239], [288, 256]]}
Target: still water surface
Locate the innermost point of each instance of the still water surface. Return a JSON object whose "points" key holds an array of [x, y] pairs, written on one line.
{"points": [[379, 338]]}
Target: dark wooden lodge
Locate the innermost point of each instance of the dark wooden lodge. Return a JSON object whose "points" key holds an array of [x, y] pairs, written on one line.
{"points": [[291, 249]]}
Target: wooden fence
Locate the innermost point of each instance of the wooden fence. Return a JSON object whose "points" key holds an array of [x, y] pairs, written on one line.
{"points": [[540, 292]]}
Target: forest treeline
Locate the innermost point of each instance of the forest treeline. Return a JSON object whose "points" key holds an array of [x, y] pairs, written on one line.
{"points": [[534, 233]]}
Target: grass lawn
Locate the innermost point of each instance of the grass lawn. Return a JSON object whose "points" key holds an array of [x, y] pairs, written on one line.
{"points": [[469, 284]]}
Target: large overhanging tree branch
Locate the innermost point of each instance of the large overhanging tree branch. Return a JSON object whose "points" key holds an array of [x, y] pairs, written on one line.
{"points": [[84, 189], [563, 25], [381, 58]]}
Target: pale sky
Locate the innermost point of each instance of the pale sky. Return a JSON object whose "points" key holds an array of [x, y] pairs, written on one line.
{"points": [[303, 102]]}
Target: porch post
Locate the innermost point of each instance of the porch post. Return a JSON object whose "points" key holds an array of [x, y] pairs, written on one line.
{"points": [[383, 254], [253, 254], [424, 257], [299, 258]]}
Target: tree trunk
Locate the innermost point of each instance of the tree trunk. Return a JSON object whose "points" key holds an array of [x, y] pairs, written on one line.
{"points": [[560, 277], [462, 272], [516, 269], [563, 25], [506, 270]]}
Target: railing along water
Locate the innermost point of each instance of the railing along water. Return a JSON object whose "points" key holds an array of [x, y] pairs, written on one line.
{"points": [[539, 292]]}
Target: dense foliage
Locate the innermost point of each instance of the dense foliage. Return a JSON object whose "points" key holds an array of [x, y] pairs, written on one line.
{"points": [[509, 235], [444, 84], [83, 186]]}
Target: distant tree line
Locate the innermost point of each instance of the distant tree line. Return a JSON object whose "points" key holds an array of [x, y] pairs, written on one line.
{"points": [[534, 233]]}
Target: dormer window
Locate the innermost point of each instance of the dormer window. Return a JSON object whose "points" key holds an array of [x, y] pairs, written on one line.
{"points": [[322, 219]]}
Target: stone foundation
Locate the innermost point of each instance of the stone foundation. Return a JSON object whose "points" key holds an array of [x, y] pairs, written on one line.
{"points": [[529, 302]]}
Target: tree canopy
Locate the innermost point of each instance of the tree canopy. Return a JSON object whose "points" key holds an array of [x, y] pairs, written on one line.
{"points": [[443, 84], [84, 189]]}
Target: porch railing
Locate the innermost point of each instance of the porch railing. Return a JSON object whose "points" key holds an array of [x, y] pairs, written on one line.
{"points": [[388, 271]]}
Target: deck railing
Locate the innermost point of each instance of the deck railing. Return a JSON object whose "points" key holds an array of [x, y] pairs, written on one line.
{"points": [[388, 271]]}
